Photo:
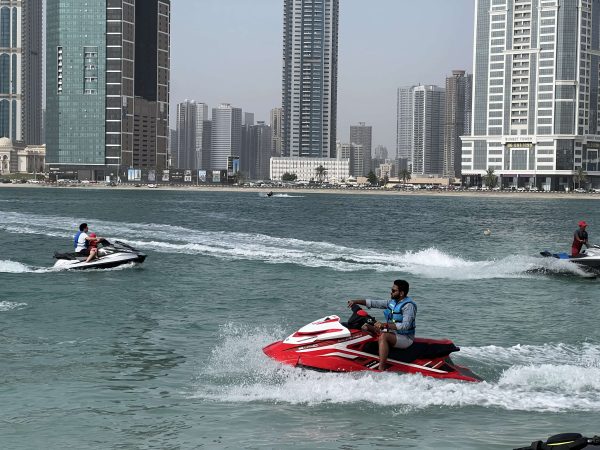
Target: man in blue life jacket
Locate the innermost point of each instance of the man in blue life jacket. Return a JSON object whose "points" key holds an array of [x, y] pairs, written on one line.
{"points": [[398, 331], [81, 242]]}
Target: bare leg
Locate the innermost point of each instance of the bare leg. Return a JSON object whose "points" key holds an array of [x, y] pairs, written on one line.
{"points": [[92, 255], [386, 340]]}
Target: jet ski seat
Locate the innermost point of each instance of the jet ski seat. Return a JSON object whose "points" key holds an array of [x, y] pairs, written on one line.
{"points": [[421, 348]]}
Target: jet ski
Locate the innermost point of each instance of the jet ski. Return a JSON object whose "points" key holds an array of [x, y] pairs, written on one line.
{"points": [[564, 441], [109, 255], [329, 345], [588, 259]]}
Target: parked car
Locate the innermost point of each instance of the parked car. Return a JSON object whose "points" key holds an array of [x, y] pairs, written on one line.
{"points": [[579, 190]]}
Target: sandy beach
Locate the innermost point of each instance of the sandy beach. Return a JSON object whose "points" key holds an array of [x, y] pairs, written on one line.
{"points": [[317, 191]]}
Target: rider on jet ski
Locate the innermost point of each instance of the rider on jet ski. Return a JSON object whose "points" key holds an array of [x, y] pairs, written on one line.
{"points": [[400, 314], [82, 243]]}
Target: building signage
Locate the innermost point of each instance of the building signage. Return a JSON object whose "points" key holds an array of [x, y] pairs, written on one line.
{"points": [[512, 139], [519, 144]]}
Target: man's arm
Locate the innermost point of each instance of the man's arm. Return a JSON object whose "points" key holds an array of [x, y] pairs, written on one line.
{"points": [[369, 303]]}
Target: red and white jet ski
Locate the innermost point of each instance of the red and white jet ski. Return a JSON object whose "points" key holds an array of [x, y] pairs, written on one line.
{"points": [[332, 346]]}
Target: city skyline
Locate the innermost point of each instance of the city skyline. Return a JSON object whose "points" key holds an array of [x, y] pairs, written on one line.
{"points": [[433, 38]]}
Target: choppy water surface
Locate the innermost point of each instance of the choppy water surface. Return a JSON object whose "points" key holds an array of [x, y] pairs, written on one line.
{"points": [[168, 354]]}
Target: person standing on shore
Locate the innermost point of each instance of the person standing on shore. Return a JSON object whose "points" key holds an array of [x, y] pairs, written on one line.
{"points": [[580, 238], [398, 331]]}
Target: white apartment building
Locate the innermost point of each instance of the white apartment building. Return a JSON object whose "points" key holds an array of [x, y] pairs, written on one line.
{"points": [[305, 169], [535, 93]]}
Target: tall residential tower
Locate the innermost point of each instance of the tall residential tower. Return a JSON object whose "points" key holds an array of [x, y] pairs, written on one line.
{"points": [[310, 61], [362, 135], [535, 87], [21, 70], [421, 113], [107, 86], [458, 120]]}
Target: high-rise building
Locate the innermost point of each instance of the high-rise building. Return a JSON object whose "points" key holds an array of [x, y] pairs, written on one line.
{"points": [[362, 135], [200, 144], [429, 110], [226, 135], [21, 70], [380, 152], [421, 112], [458, 120], [107, 86], [191, 116], [259, 151], [185, 156], [276, 132], [535, 93], [355, 154], [309, 82], [404, 128], [248, 118]]}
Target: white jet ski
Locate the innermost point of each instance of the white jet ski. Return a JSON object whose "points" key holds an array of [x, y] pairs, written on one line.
{"points": [[109, 255], [588, 259]]}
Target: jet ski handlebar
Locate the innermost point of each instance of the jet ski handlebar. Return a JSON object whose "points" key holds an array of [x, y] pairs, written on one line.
{"points": [[563, 441]]}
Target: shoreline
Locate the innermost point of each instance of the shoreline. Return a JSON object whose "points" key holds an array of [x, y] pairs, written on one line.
{"points": [[307, 190]]}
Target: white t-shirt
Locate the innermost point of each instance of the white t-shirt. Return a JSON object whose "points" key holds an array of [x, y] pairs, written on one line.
{"points": [[81, 242]]}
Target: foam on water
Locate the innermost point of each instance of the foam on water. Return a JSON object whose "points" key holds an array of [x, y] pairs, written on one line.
{"points": [[8, 266], [9, 306], [430, 262], [239, 372]]}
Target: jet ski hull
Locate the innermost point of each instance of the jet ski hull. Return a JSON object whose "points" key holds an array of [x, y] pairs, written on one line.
{"points": [[335, 348], [110, 256], [589, 260], [107, 262]]}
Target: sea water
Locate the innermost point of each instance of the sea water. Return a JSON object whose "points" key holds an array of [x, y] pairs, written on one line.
{"points": [[168, 354]]}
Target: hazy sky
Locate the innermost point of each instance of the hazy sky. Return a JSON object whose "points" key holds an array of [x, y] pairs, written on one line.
{"points": [[230, 51]]}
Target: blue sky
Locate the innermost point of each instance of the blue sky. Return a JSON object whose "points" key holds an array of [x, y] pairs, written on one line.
{"points": [[229, 51]]}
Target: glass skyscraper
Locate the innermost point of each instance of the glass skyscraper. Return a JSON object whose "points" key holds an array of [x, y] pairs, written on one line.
{"points": [[21, 70], [309, 94], [107, 78], [535, 92]]}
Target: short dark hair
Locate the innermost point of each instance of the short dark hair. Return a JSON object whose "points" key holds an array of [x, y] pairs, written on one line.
{"points": [[402, 285], [83, 226]]}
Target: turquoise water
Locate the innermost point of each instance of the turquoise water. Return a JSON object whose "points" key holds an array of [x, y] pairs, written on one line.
{"points": [[168, 355]]}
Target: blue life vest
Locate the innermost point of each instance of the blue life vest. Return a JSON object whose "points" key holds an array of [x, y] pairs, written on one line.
{"points": [[393, 314], [77, 238]]}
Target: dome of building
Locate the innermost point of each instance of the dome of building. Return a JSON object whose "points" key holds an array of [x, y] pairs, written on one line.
{"points": [[5, 142]]}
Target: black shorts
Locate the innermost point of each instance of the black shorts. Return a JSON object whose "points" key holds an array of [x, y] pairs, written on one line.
{"points": [[84, 252]]}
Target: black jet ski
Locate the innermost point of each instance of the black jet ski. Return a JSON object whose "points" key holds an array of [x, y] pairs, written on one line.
{"points": [[588, 259], [109, 255], [563, 441]]}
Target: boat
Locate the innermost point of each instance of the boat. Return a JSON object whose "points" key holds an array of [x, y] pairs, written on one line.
{"points": [[588, 259], [564, 441], [109, 256], [328, 345]]}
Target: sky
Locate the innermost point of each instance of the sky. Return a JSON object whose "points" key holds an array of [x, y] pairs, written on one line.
{"points": [[230, 51]]}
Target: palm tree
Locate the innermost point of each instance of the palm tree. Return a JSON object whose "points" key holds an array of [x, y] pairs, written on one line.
{"points": [[321, 172], [580, 176], [490, 179], [404, 175], [372, 178]]}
